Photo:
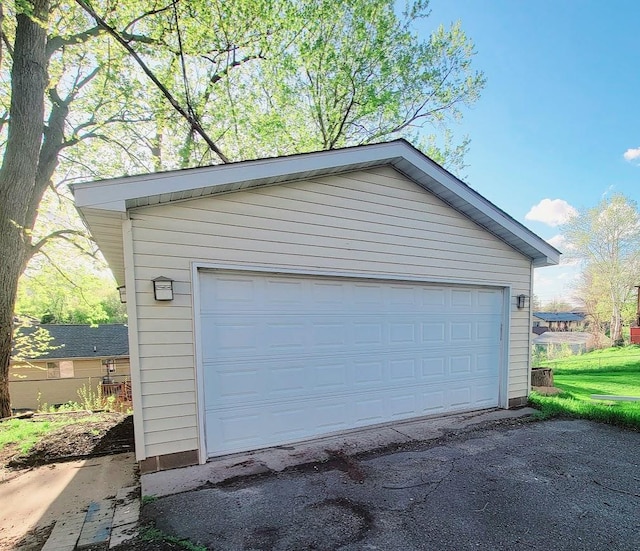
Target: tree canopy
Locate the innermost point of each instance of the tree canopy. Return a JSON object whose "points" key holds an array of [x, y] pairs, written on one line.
{"points": [[101, 88], [606, 239]]}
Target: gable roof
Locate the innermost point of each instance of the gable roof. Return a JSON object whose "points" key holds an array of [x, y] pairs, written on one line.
{"points": [[84, 341], [104, 204]]}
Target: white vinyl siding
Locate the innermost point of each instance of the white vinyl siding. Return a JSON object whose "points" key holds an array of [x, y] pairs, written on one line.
{"points": [[373, 222]]}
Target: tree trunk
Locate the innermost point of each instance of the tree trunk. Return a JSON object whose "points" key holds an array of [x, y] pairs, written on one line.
{"points": [[616, 326], [18, 172], [542, 376]]}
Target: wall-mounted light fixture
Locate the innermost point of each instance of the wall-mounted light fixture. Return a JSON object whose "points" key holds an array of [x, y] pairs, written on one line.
{"points": [[123, 293], [522, 301], [163, 288]]}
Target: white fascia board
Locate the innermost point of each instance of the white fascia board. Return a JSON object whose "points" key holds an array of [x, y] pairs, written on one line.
{"points": [[546, 261], [113, 194], [477, 201], [85, 198]]}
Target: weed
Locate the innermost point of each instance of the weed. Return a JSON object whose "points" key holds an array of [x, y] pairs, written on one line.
{"points": [[91, 397], [148, 499], [153, 534]]}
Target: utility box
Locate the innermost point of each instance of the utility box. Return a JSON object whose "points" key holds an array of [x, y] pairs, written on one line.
{"points": [[635, 335]]}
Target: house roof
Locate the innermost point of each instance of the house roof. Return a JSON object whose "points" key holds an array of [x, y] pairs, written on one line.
{"points": [[84, 341], [559, 316], [104, 204]]}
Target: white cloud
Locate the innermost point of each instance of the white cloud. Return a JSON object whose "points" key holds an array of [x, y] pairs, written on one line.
{"points": [[632, 154], [552, 212], [557, 241], [560, 242], [608, 191]]}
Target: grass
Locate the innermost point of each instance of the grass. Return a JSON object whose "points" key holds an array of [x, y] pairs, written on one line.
{"points": [[153, 534], [26, 433], [148, 499], [609, 371]]}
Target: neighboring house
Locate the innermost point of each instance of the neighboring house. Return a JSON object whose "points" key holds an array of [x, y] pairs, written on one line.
{"points": [[558, 321], [311, 294], [82, 356]]}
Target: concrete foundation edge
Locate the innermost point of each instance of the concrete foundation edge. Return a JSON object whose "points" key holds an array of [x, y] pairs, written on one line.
{"points": [[168, 461], [519, 402]]}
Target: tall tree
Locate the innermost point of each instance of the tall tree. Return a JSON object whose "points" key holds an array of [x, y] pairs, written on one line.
{"points": [[25, 158], [51, 67], [105, 88], [606, 238]]}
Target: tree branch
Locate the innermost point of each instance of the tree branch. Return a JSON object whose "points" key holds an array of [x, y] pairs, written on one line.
{"points": [[193, 122], [58, 42], [59, 234], [146, 14]]}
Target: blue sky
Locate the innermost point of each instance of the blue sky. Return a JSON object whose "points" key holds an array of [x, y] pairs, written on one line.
{"points": [[558, 113]]}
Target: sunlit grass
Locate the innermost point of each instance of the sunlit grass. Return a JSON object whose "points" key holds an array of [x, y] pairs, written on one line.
{"points": [[613, 371], [608, 359], [26, 432]]}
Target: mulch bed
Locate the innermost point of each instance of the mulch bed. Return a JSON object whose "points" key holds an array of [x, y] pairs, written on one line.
{"points": [[104, 434]]}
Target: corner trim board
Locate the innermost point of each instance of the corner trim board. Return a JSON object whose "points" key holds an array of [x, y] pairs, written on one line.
{"points": [[134, 351]]}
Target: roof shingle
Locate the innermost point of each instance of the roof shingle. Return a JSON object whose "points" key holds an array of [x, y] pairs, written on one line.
{"points": [[85, 341]]}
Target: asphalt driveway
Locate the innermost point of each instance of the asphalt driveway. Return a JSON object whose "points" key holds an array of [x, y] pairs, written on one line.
{"points": [[562, 484]]}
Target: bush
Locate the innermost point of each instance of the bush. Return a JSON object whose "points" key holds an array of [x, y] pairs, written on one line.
{"points": [[541, 354]]}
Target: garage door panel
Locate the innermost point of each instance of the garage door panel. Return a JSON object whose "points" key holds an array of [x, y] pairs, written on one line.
{"points": [[237, 383], [460, 365], [461, 331], [310, 376], [402, 405], [366, 333], [304, 336], [402, 370], [368, 372], [485, 363], [488, 331], [306, 418], [239, 429], [368, 411], [331, 376], [433, 401], [461, 298], [433, 297], [233, 338], [484, 393], [459, 398], [327, 293], [291, 357], [228, 292], [434, 332], [288, 422], [330, 415], [433, 367]]}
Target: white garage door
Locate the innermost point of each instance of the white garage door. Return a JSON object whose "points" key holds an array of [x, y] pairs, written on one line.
{"points": [[287, 358]]}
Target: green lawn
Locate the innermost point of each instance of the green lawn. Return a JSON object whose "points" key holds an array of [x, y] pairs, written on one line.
{"points": [[26, 432], [609, 371]]}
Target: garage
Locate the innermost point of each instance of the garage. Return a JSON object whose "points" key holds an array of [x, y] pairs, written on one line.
{"points": [[290, 357], [276, 300]]}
